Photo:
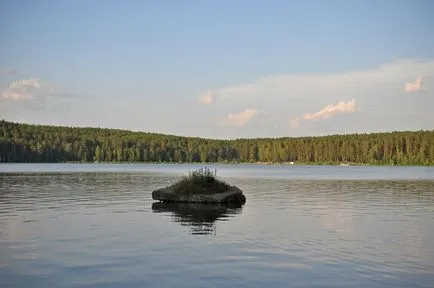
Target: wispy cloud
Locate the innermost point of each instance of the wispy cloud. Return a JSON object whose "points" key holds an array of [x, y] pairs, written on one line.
{"points": [[332, 109], [9, 71], [22, 90], [309, 85], [325, 113], [294, 123], [376, 92], [414, 86], [32, 90], [15, 96], [19, 84], [207, 97], [244, 89], [240, 119]]}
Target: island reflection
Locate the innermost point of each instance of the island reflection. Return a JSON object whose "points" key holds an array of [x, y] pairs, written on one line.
{"points": [[201, 218]]}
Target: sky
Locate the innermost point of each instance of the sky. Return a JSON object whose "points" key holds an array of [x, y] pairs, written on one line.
{"points": [[219, 69]]}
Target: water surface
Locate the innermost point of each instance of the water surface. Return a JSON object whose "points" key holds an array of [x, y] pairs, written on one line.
{"points": [[80, 225]]}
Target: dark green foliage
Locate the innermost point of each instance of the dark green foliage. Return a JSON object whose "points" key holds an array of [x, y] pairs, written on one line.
{"points": [[202, 180], [37, 143]]}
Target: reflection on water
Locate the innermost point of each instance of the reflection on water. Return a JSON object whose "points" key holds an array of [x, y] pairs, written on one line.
{"points": [[102, 229], [200, 218]]}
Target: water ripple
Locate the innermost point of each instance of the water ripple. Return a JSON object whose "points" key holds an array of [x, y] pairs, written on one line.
{"points": [[101, 229]]}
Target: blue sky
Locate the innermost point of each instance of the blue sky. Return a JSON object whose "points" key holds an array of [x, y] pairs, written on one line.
{"points": [[220, 69]]}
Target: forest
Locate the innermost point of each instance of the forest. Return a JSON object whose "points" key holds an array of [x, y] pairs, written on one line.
{"points": [[28, 143]]}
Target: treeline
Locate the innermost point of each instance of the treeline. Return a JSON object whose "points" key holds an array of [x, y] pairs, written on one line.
{"points": [[38, 143]]}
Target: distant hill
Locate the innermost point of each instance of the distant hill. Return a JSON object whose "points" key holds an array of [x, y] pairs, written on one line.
{"points": [[42, 143]]}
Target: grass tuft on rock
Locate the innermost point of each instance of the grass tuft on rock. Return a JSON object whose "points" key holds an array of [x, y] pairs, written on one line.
{"points": [[199, 181]]}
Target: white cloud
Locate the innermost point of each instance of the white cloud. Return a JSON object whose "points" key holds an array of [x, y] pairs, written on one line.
{"points": [[32, 90], [207, 97], [414, 86], [240, 119], [325, 113], [10, 71], [15, 96], [293, 86], [294, 123], [377, 92], [23, 90], [332, 109], [19, 84]]}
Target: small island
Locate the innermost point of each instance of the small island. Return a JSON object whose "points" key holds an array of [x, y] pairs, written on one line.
{"points": [[201, 186]]}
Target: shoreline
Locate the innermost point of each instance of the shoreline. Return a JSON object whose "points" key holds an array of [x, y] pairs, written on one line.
{"points": [[295, 164]]}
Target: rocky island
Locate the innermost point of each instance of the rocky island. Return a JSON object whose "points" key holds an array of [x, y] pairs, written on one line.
{"points": [[201, 186]]}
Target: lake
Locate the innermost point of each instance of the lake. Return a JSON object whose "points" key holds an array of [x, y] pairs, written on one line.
{"points": [[96, 225]]}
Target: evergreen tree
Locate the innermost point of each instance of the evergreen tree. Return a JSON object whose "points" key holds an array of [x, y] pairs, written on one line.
{"points": [[38, 143]]}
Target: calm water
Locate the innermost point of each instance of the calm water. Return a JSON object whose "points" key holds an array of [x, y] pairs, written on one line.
{"points": [[77, 225]]}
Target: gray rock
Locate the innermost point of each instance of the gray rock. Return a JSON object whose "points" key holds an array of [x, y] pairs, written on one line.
{"points": [[167, 194]]}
